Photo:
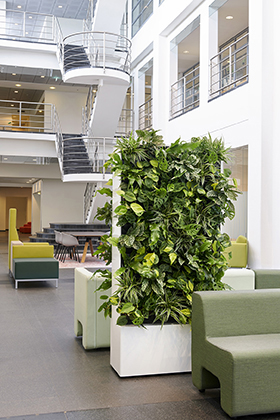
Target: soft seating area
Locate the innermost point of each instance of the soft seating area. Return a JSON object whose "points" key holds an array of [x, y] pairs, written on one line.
{"points": [[29, 261], [88, 322], [236, 346], [237, 253], [26, 228]]}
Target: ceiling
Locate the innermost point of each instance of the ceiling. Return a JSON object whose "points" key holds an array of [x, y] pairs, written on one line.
{"points": [[75, 9]]}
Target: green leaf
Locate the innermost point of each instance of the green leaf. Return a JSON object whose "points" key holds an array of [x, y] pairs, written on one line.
{"points": [[201, 191], [120, 271], [122, 320], [113, 241], [103, 297], [172, 257], [138, 210], [129, 196], [110, 182], [120, 210], [106, 191], [127, 307], [168, 249], [154, 163]]}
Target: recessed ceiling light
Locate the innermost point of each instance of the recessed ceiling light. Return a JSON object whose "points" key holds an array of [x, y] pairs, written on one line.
{"points": [[18, 84], [15, 91], [16, 24], [52, 87], [186, 52], [30, 17], [14, 74], [40, 110], [26, 33], [19, 7], [60, 7], [42, 77], [5, 158], [12, 104], [34, 160], [229, 17]]}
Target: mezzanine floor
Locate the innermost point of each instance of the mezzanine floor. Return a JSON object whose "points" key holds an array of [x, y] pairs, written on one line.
{"points": [[45, 374]]}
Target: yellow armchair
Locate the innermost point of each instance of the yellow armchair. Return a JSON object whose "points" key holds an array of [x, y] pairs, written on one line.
{"points": [[18, 249], [239, 252]]}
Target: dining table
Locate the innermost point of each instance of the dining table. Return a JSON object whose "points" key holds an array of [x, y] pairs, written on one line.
{"points": [[88, 237]]}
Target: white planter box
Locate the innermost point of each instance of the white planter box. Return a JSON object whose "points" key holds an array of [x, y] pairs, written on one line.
{"points": [[137, 351]]}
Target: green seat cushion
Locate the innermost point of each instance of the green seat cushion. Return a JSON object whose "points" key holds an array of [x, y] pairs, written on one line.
{"points": [[267, 279], [35, 268]]}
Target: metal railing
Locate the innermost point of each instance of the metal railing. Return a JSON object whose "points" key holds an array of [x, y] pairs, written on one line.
{"points": [[88, 109], [17, 24], [146, 115], [26, 116], [98, 149], [185, 94], [96, 50], [230, 67], [88, 195], [126, 123]]}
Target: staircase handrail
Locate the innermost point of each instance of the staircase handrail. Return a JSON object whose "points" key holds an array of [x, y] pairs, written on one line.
{"points": [[101, 50], [88, 194]]}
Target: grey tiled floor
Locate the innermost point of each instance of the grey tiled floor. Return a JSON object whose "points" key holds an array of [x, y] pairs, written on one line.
{"points": [[45, 374]]}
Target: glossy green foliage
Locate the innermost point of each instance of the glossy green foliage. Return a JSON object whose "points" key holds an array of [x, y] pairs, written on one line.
{"points": [[173, 203]]}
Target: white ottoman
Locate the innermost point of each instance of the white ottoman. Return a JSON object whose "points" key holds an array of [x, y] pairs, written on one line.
{"points": [[239, 278]]}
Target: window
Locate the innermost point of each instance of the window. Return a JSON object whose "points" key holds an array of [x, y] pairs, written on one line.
{"points": [[141, 10]]}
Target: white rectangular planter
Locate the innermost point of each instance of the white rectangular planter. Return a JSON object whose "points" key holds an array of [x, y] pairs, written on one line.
{"points": [[137, 351]]}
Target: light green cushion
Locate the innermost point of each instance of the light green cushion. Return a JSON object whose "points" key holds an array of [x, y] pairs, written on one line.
{"points": [[88, 322], [236, 345]]}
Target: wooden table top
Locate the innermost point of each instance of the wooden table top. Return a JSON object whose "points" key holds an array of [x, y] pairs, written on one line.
{"points": [[90, 234]]}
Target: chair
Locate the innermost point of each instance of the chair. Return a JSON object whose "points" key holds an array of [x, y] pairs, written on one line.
{"points": [[70, 244], [239, 252], [58, 240], [88, 322]]}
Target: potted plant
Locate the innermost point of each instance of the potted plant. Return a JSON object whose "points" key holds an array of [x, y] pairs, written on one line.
{"points": [[173, 201]]}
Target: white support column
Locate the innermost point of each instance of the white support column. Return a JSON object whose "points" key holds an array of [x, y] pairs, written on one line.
{"points": [[264, 149], [161, 87]]}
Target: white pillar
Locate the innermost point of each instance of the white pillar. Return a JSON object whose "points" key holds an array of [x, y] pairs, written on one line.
{"points": [[264, 149]]}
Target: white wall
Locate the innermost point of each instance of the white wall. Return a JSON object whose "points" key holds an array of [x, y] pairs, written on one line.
{"points": [[69, 107], [248, 115], [70, 26], [61, 202], [7, 194]]}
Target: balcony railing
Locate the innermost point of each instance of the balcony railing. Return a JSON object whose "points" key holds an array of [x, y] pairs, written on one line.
{"points": [[185, 94], [96, 50], [146, 115], [126, 123], [26, 116], [18, 25], [230, 67], [99, 149]]}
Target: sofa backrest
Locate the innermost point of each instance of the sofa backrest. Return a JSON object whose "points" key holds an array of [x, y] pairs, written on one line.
{"points": [[231, 313], [241, 240], [13, 235]]}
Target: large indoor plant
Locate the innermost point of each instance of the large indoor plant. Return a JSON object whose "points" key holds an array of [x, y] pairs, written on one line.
{"points": [[173, 202]]}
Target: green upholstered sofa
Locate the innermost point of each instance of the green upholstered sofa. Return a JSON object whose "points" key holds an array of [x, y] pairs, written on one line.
{"points": [[267, 278], [88, 322], [236, 346], [238, 251], [30, 261]]}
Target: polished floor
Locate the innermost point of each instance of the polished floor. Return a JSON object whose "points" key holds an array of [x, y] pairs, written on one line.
{"points": [[45, 374]]}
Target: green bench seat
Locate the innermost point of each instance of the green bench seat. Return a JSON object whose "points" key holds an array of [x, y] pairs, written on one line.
{"points": [[35, 269], [236, 346]]}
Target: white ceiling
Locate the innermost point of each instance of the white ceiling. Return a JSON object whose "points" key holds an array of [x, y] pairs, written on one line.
{"points": [[75, 9]]}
